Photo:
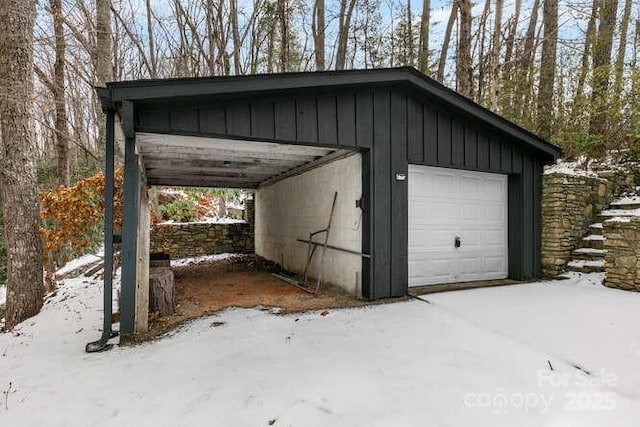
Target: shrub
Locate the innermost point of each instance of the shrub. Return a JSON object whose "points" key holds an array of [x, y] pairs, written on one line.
{"points": [[181, 210], [73, 217]]}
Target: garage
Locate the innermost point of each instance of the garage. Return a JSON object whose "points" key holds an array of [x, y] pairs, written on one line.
{"points": [[457, 226], [432, 188]]}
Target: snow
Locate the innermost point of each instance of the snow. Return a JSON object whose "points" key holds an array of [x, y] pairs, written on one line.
{"points": [[3, 294], [574, 168], [630, 200], [207, 220], [449, 363], [621, 212], [79, 262], [619, 219], [181, 262], [590, 251], [596, 225], [584, 263], [593, 237]]}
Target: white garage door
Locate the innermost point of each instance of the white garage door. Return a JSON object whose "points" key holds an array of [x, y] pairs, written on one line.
{"points": [[449, 205]]}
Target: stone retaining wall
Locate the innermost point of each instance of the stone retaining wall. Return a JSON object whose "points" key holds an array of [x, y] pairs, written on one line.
{"points": [[182, 240], [622, 260], [570, 203]]}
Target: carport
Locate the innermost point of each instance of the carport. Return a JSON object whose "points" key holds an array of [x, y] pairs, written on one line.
{"points": [[261, 131]]}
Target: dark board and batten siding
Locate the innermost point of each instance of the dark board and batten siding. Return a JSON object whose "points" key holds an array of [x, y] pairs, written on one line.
{"points": [[393, 128]]}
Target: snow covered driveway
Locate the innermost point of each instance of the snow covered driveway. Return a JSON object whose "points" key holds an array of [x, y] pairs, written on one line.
{"points": [[480, 357]]}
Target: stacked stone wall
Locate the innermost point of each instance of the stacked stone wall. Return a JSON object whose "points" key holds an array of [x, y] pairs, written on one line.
{"points": [[570, 203], [182, 240], [622, 260]]}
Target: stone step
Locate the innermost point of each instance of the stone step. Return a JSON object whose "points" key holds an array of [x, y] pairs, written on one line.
{"points": [[610, 213], [594, 241], [596, 229], [627, 203], [583, 266], [589, 254]]}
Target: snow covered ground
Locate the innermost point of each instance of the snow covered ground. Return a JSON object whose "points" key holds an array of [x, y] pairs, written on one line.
{"points": [[480, 357]]}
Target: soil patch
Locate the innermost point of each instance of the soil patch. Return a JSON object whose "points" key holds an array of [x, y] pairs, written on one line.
{"points": [[242, 281]]}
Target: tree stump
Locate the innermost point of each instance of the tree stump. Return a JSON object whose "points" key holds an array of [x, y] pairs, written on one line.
{"points": [[162, 298]]}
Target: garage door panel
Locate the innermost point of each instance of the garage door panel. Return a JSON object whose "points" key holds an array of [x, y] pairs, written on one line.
{"points": [[431, 240], [495, 213], [470, 211], [445, 203], [494, 264], [494, 237]]}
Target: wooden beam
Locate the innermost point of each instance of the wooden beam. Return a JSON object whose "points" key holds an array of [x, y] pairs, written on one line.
{"points": [[155, 166], [230, 179], [208, 161], [336, 155], [169, 151], [150, 139], [208, 183]]}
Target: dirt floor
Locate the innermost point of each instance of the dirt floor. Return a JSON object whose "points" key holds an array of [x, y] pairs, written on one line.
{"points": [[242, 281]]}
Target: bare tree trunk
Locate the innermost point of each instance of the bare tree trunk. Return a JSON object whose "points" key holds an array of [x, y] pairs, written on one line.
{"points": [[545, 115], [442, 62], [152, 43], [102, 59], [62, 133], [237, 44], [104, 72], [423, 56], [463, 57], [284, 34], [622, 49], [482, 58], [18, 181], [495, 56], [211, 38], [344, 25], [318, 30], [525, 62], [601, 68], [410, 34], [589, 38], [507, 75]]}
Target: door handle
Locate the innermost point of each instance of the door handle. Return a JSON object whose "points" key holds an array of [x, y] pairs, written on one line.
{"points": [[456, 242]]}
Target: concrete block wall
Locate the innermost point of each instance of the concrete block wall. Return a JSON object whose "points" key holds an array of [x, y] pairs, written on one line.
{"points": [[292, 208]]}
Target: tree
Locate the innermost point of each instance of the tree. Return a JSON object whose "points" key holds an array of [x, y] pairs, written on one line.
{"points": [[442, 62], [102, 53], [525, 63], [622, 49], [423, 55], [283, 16], [495, 55], [18, 183], [344, 25], [507, 74], [318, 30], [463, 57], [547, 68], [578, 100], [598, 125], [62, 134]]}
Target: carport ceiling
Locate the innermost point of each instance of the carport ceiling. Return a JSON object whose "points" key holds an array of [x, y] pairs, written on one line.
{"points": [[191, 161]]}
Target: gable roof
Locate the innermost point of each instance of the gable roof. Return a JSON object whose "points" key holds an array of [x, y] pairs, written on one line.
{"points": [[176, 88]]}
